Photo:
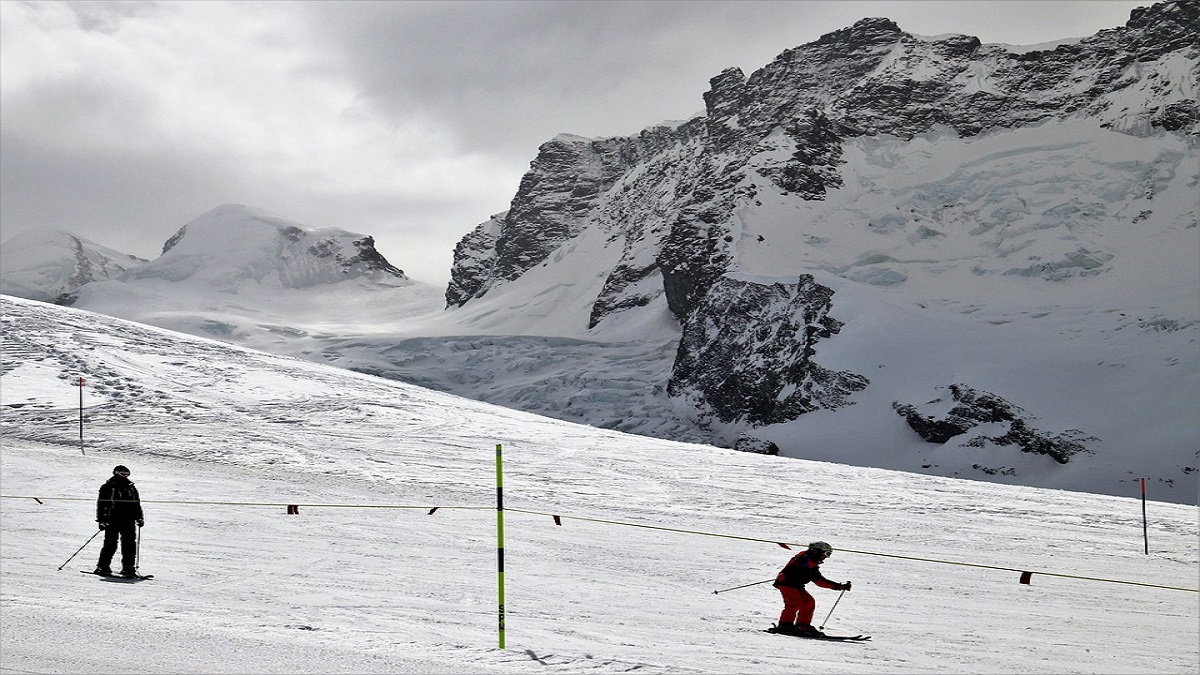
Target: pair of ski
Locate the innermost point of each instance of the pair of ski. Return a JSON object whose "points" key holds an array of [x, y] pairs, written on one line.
{"points": [[828, 638], [121, 577]]}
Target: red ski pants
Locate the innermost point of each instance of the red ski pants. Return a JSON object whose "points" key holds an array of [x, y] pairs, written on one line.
{"points": [[798, 606]]}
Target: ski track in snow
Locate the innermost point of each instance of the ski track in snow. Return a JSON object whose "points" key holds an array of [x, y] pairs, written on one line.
{"points": [[360, 588]]}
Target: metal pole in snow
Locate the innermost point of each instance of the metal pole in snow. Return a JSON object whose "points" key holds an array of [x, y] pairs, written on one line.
{"points": [[500, 538], [81, 417], [1145, 525]]}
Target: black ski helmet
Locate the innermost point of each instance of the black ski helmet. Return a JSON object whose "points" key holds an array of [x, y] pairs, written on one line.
{"points": [[120, 468]]}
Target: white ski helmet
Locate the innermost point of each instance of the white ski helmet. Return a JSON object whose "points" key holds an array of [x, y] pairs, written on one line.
{"points": [[821, 546]]}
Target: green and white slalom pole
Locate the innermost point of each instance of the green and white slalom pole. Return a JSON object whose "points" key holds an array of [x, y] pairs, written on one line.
{"points": [[500, 537]]}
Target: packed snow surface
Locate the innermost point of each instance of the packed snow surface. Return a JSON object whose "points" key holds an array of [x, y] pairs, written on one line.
{"points": [[366, 579]]}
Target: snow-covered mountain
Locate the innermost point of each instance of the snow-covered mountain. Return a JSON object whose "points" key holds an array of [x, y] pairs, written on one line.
{"points": [[47, 266], [882, 249], [389, 565], [234, 245], [247, 275], [951, 254], [679, 201]]}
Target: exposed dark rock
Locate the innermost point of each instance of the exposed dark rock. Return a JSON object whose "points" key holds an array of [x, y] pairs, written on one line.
{"points": [[563, 192], [930, 428], [1181, 115], [474, 259], [749, 443], [746, 354], [372, 259], [970, 408], [175, 239], [813, 169]]}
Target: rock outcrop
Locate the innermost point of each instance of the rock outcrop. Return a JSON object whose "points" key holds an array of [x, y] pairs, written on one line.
{"points": [[942, 420], [746, 354]]}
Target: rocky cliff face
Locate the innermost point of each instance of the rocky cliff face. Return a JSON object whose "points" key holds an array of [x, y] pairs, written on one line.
{"points": [[676, 199], [746, 356], [672, 190], [630, 184]]}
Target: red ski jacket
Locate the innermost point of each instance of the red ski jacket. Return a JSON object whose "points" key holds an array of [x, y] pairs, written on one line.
{"points": [[800, 570]]}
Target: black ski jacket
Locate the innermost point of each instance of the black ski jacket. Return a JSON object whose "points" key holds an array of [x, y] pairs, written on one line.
{"points": [[118, 502]]}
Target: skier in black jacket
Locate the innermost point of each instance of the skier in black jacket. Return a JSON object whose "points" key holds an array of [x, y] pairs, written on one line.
{"points": [[119, 511]]}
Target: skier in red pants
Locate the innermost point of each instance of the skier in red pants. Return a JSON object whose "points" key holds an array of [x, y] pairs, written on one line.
{"points": [[798, 605]]}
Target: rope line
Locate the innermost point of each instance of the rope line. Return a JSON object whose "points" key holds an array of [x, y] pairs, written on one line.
{"points": [[284, 504], [873, 553], [660, 528]]}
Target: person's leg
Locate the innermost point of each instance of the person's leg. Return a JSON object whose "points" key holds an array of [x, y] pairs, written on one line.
{"points": [[108, 549], [128, 546], [794, 600], [804, 614]]}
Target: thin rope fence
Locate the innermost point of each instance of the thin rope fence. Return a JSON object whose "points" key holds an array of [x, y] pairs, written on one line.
{"points": [[293, 507]]}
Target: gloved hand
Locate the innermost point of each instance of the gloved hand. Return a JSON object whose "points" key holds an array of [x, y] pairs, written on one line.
{"points": [[103, 525], [845, 586], [140, 522]]}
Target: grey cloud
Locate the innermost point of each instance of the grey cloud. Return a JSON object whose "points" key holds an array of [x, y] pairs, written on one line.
{"points": [[106, 17], [126, 199], [443, 103], [512, 75]]}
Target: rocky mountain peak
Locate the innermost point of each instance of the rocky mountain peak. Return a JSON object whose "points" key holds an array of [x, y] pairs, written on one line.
{"points": [[865, 34], [670, 192], [922, 165], [1164, 27]]}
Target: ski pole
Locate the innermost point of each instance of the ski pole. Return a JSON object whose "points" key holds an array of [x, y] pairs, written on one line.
{"points": [[765, 581], [835, 603], [137, 549], [80, 549]]}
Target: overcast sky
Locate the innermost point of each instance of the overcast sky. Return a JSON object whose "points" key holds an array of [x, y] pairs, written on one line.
{"points": [[409, 121]]}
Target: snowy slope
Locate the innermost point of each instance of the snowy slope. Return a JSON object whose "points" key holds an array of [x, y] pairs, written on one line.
{"points": [[221, 438]]}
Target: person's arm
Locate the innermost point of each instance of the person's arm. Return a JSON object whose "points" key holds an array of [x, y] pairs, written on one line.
{"points": [[137, 505], [104, 504], [825, 583], [820, 580]]}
